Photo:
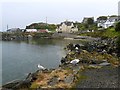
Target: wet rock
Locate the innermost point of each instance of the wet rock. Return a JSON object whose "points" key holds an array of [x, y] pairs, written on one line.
{"points": [[10, 85]]}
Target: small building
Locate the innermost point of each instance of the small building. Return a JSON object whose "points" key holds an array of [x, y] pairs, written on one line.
{"points": [[30, 30], [67, 26]]}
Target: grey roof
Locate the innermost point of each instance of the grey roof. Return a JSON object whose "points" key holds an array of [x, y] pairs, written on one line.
{"points": [[113, 18], [101, 21], [68, 23]]}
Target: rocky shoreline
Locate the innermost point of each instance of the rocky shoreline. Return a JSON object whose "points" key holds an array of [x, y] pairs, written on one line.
{"points": [[97, 68]]}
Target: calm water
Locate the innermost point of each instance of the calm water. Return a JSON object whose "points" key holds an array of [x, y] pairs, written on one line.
{"points": [[21, 58]]}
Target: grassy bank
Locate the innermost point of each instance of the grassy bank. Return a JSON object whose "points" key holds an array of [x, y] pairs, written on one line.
{"points": [[106, 33]]}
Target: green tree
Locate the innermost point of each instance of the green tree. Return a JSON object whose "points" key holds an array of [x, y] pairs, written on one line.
{"points": [[51, 27], [117, 27], [90, 21], [79, 25]]}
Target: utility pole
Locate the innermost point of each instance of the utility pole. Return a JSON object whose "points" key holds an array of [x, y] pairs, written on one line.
{"points": [[46, 21], [7, 27]]}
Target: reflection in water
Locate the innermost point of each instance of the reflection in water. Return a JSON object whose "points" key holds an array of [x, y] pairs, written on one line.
{"points": [[0, 63], [53, 42]]}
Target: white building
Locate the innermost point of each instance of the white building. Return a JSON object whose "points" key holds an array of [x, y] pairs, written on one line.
{"points": [[107, 23], [67, 26], [30, 30]]}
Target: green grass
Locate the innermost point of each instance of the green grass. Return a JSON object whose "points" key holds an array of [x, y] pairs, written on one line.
{"points": [[34, 85], [108, 33]]}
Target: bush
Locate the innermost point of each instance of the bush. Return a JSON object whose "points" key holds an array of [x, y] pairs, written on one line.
{"points": [[118, 46], [117, 28]]}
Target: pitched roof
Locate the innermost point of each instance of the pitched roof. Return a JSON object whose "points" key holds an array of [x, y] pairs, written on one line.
{"points": [[101, 21], [110, 19], [68, 23]]}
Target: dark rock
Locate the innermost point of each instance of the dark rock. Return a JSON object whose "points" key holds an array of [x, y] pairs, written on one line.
{"points": [[23, 84], [70, 47], [10, 85], [63, 60], [77, 45]]}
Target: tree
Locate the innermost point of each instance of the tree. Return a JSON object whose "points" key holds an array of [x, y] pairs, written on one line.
{"points": [[113, 16], [90, 21], [102, 18], [117, 27], [51, 27], [79, 25]]}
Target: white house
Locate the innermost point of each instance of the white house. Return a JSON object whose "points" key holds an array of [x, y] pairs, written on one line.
{"points": [[31, 30], [67, 26], [107, 23]]}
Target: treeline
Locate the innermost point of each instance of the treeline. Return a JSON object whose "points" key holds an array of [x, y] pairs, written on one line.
{"points": [[86, 26]]}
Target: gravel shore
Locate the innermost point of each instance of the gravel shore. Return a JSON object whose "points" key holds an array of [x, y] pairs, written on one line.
{"points": [[106, 77]]}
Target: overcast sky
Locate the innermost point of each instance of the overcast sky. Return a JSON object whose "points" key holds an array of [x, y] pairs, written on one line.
{"points": [[20, 13]]}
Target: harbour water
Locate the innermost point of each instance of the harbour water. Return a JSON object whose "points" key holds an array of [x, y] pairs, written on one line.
{"points": [[22, 57]]}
